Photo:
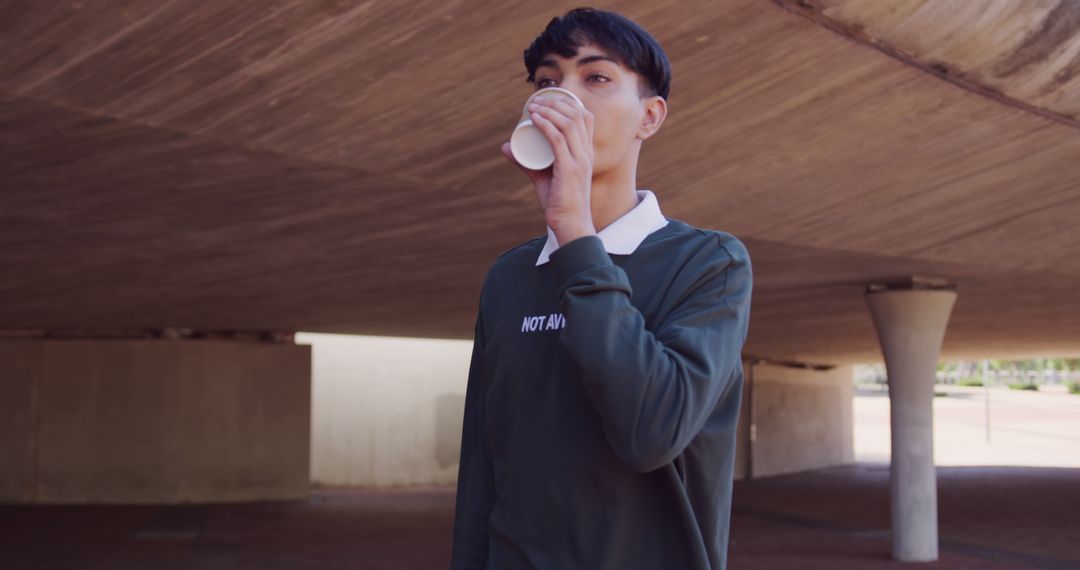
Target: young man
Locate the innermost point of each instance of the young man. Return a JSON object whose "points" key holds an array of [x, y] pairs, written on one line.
{"points": [[605, 381]]}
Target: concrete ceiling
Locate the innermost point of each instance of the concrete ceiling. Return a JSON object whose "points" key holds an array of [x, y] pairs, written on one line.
{"points": [[334, 166]]}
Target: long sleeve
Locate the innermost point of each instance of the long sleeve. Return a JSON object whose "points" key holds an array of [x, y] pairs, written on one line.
{"points": [[655, 389], [475, 484]]}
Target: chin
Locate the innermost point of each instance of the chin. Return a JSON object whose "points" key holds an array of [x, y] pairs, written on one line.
{"points": [[600, 168]]}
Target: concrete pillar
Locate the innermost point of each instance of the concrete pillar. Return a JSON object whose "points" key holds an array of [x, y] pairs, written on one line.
{"points": [[910, 319]]}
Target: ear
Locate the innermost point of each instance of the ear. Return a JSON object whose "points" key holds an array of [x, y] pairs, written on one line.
{"points": [[655, 112]]}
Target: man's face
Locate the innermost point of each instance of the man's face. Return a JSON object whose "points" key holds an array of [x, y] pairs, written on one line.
{"points": [[609, 90]]}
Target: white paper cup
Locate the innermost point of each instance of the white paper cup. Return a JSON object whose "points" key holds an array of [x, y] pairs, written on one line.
{"points": [[527, 143]]}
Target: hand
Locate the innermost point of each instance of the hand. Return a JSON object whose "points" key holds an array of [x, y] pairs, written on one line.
{"points": [[564, 188]]}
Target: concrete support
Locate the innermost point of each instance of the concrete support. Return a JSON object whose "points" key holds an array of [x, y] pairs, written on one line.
{"points": [[794, 418], [386, 412], [910, 320], [153, 421]]}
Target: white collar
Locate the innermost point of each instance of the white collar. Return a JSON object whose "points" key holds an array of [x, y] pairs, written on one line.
{"points": [[623, 235]]}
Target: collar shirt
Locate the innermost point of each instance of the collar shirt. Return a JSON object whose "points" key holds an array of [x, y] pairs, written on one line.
{"points": [[624, 234]]}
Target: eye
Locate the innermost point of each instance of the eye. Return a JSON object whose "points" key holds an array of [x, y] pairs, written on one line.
{"points": [[542, 83]]}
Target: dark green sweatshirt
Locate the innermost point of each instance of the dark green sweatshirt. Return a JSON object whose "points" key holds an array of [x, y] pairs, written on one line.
{"points": [[601, 406]]}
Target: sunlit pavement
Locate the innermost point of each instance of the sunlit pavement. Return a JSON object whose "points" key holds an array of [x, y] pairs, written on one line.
{"points": [[1025, 428]]}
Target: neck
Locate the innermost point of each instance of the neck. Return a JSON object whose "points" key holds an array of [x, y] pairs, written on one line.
{"points": [[614, 193]]}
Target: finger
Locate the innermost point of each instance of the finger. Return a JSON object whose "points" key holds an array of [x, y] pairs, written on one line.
{"points": [[555, 111], [575, 131], [553, 134], [590, 127]]}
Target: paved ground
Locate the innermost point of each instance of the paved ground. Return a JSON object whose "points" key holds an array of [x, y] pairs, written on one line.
{"points": [[1038, 429], [990, 517]]}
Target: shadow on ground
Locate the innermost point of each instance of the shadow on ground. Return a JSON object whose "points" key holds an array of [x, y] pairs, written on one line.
{"points": [[989, 517]]}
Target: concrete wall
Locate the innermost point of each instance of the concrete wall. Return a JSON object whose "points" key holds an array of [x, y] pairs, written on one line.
{"points": [[160, 421], [153, 421], [802, 419], [386, 411]]}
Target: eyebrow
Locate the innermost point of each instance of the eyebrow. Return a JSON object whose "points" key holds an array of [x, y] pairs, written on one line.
{"points": [[583, 61]]}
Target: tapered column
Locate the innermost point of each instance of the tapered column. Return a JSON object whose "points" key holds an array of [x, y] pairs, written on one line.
{"points": [[910, 318]]}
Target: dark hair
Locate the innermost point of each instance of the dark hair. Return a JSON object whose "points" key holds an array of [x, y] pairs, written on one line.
{"points": [[619, 36]]}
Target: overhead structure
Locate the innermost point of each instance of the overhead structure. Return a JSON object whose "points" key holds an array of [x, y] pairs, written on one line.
{"points": [[221, 175], [335, 166]]}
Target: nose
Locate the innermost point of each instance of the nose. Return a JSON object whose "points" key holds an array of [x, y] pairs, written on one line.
{"points": [[573, 88]]}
